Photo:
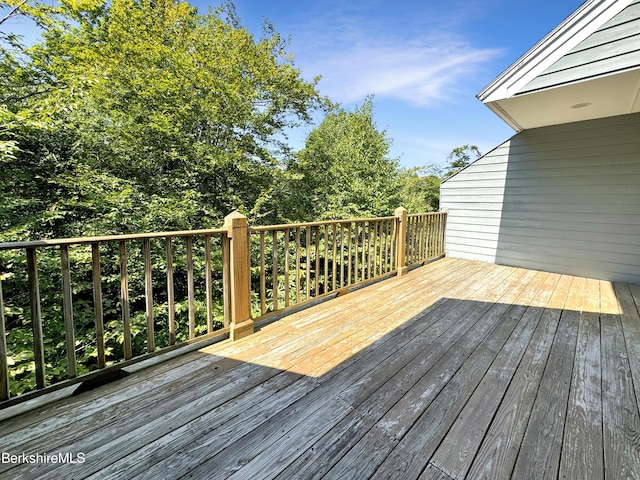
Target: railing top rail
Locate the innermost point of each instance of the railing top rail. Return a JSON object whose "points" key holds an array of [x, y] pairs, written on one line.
{"points": [[323, 222], [109, 238], [427, 214]]}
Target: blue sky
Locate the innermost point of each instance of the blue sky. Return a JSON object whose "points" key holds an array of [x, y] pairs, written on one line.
{"points": [[424, 61]]}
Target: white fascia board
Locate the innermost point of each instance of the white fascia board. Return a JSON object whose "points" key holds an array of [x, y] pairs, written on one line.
{"points": [[588, 18]]}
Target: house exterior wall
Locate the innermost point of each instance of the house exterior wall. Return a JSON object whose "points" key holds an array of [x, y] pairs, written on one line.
{"points": [[612, 48], [564, 198]]}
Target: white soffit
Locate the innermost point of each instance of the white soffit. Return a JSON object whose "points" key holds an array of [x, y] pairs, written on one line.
{"points": [[574, 29], [607, 96]]}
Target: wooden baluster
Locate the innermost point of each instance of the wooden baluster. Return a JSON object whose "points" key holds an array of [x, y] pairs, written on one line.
{"points": [[334, 258], [390, 246], [263, 282], [317, 252], [356, 254], [439, 234], [401, 240], [67, 311], [191, 289], [97, 302], [36, 316], [342, 284], [378, 266], [286, 267], [148, 295], [426, 237], [4, 354], [414, 240], [363, 267], [417, 239], [394, 245], [275, 269], [326, 259], [171, 306], [208, 282], [350, 256], [368, 250], [433, 236], [308, 264], [374, 241], [380, 248], [434, 233], [430, 239], [226, 279], [385, 239], [124, 299], [297, 264], [443, 230]]}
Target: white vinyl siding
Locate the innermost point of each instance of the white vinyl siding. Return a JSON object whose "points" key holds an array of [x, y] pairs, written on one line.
{"points": [[564, 198], [613, 48]]}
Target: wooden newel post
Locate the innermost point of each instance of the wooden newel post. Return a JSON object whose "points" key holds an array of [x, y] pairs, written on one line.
{"points": [[240, 276], [401, 240]]}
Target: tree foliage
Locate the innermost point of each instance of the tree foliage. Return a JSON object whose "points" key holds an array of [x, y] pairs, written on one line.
{"points": [[168, 119], [461, 157], [344, 169], [420, 189], [146, 115], [132, 116]]}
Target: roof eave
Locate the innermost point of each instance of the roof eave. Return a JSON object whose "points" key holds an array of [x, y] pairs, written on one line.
{"points": [[574, 29]]}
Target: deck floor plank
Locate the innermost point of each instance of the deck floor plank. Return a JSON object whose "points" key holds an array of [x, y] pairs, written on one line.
{"points": [[422, 418], [374, 402], [582, 449], [399, 334], [458, 370], [458, 449], [621, 419], [282, 424], [539, 455], [497, 453], [630, 317]]}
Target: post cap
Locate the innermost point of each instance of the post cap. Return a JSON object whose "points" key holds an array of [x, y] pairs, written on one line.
{"points": [[235, 218], [400, 211]]}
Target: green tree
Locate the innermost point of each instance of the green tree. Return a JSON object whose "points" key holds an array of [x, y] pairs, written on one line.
{"points": [[124, 120], [344, 170], [461, 157], [420, 189], [133, 116]]}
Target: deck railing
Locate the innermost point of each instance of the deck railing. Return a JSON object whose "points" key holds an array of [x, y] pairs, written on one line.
{"points": [[121, 299], [305, 261], [425, 236]]}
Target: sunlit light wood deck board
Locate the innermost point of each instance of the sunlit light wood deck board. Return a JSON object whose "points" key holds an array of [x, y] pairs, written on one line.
{"points": [[457, 370]]}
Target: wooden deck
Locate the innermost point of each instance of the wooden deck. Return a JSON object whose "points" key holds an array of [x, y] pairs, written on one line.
{"points": [[456, 370]]}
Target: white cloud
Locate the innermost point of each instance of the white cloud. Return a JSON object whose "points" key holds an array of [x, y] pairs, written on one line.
{"points": [[418, 54], [417, 73]]}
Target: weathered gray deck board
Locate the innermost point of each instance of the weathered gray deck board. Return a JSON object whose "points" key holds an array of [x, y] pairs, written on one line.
{"points": [[425, 432], [498, 452], [582, 452], [621, 419], [458, 449], [542, 443], [459, 370]]}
